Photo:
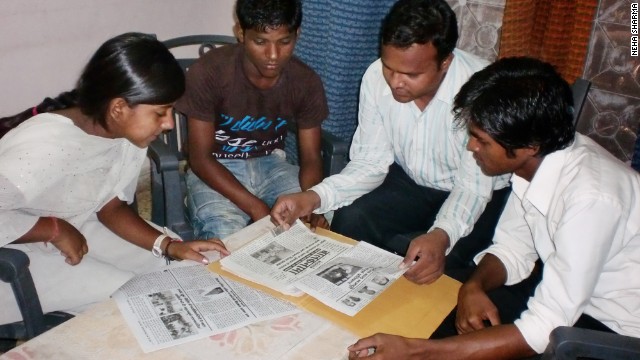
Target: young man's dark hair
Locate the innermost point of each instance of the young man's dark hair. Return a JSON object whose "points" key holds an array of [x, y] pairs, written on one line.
{"points": [[516, 102], [263, 14], [419, 22]]}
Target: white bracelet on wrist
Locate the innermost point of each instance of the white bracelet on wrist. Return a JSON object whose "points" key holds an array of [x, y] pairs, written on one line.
{"points": [[156, 250]]}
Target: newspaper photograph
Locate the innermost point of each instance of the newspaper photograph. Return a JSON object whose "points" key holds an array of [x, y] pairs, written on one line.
{"points": [[279, 260], [298, 261], [182, 304], [352, 280]]}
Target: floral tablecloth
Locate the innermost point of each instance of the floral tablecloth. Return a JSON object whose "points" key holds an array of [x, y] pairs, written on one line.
{"points": [[101, 333]]}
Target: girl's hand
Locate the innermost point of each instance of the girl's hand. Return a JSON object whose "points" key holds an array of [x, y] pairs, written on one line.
{"points": [[71, 243], [191, 250]]}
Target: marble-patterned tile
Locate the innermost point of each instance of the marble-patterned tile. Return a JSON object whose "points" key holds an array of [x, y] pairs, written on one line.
{"points": [[614, 11], [612, 113], [479, 24], [612, 120]]}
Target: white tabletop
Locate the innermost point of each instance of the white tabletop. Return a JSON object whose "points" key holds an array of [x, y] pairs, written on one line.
{"points": [[102, 333]]}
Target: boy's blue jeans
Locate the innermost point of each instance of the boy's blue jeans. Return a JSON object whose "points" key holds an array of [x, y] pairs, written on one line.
{"points": [[214, 216]]}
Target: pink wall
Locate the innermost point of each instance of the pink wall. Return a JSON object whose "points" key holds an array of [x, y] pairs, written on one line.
{"points": [[44, 43]]}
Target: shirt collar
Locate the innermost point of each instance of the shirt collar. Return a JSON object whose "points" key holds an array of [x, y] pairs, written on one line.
{"points": [[539, 192]]}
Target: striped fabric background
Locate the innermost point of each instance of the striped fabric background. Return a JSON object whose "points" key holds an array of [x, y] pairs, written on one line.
{"points": [[339, 40]]}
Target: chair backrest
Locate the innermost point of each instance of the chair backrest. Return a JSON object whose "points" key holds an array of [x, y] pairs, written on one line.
{"points": [[195, 46], [580, 88], [204, 43], [167, 185]]}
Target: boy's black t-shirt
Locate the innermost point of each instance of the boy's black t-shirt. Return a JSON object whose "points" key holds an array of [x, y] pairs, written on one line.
{"points": [[250, 122]]}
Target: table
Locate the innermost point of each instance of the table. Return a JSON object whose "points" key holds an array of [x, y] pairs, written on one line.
{"points": [[102, 333]]}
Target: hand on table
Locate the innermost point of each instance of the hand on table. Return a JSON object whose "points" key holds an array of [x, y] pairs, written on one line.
{"points": [[385, 346], [430, 249], [288, 208], [316, 220], [474, 308], [192, 250]]}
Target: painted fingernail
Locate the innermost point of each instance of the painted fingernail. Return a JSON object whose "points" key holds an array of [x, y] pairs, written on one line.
{"points": [[205, 261]]}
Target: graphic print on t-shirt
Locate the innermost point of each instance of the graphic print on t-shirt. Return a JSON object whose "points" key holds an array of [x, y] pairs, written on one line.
{"points": [[248, 137]]}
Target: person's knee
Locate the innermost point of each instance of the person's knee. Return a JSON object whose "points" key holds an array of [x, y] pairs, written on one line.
{"points": [[218, 227], [347, 219], [214, 222]]}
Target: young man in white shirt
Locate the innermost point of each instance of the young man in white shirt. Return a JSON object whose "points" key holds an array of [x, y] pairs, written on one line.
{"points": [[574, 207], [410, 187]]}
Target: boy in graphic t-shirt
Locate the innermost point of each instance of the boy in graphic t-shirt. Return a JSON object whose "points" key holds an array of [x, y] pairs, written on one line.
{"points": [[239, 100]]}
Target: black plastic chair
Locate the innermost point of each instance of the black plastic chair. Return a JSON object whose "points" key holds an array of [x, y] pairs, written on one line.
{"points": [[580, 88], [568, 343], [167, 153], [14, 269]]}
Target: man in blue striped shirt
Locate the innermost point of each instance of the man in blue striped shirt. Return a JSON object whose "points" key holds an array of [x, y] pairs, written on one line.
{"points": [[410, 186]]}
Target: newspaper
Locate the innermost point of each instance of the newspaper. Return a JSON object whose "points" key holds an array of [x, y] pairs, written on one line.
{"points": [[342, 276], [178, 305]]}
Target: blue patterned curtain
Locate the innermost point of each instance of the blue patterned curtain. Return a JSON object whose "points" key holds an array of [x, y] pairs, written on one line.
{"points": [[339, 39]]}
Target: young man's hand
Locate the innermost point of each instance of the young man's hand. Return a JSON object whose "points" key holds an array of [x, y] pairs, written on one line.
{"points": [[430, 248], [474, 308], [259, 211], [289, 208], [316, 221], [385, 346]]}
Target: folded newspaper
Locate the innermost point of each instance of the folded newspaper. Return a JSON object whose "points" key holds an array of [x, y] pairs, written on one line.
{"points": [[186, 303], [297, 261]]}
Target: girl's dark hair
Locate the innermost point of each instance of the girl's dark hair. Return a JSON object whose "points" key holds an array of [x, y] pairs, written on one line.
{"points": [[132, 66], [62, 101]]}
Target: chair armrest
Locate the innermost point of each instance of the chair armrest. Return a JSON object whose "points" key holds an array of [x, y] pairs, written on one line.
{"points": [[572, 343], [167, 190], [335, 152], [12, 263], [162, 155], [14, 269]]}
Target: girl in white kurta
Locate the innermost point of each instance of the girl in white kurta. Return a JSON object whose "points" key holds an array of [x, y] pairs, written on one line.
{"points": [[68, 174]]}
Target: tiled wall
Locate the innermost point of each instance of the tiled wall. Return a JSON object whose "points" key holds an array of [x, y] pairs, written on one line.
{"points": [[612, 113], [479, 22]]}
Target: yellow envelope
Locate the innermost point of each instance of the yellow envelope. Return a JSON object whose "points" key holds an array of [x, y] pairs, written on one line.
{"points": [[403, 309]]}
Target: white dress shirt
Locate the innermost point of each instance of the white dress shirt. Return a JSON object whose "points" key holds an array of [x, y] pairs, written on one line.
{"points": [[50, 167], [581, 216], [426, 144]]}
